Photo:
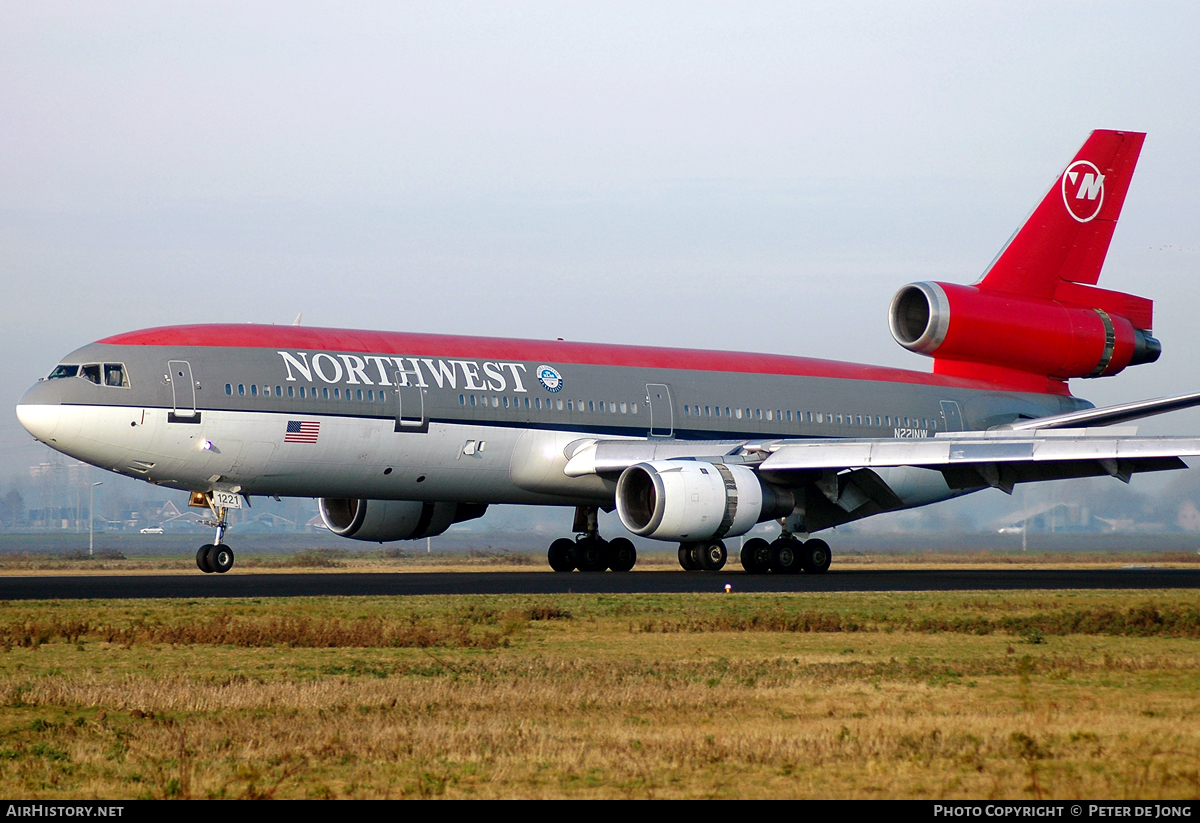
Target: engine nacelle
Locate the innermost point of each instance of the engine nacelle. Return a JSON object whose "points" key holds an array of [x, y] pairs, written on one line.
{"points": [[382, 521], [1039, 336], [687, 500]]}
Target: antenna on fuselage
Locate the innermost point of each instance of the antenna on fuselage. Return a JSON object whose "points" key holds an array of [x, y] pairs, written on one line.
{"points": [[296, 322]]}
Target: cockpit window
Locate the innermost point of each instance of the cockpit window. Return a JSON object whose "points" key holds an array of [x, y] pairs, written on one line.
{"points": [[90, 372], [114, 375], [63, 370]]}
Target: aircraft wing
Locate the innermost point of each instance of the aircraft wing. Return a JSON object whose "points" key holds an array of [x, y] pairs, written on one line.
{"points": [[1048, 448], [967, 459], [997, 458]]}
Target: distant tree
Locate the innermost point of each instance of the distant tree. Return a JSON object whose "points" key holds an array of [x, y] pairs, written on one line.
{"points": [[12, 509]]}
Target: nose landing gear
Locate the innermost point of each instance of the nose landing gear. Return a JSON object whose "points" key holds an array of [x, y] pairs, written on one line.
{"points": [[215, 557]]}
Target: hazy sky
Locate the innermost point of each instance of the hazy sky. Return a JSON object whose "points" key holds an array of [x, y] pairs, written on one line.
{"points": [[743, 176]]}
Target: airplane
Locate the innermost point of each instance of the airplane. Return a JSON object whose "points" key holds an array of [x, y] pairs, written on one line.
{"points": [[400, 435]]}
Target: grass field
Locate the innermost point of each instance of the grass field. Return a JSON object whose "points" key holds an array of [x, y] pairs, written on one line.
{"points": [[1023, 695], [25, 555]]}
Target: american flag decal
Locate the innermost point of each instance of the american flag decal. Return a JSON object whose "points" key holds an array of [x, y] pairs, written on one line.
{"points": [[302, 431]]}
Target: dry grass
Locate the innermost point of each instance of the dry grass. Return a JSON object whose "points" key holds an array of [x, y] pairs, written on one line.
{"points": [[392, 560], [873, 695]]}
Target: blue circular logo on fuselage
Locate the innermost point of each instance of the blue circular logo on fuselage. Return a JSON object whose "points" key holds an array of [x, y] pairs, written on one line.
{"points": [[550, 379]]}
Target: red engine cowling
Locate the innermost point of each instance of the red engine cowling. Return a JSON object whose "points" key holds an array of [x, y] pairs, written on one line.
{"points": [[382, 521], [1052, 338]]}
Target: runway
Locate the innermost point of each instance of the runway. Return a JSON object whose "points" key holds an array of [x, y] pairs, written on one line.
{"points": [[234, 585]]}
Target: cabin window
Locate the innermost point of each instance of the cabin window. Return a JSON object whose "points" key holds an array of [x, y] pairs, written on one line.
{"points": [[254, 390], [570, 405], [63, 371], [559, 404], [229, 389], [633, 408], [738, 412], [302, 392], [757, 413], [241, 389]]}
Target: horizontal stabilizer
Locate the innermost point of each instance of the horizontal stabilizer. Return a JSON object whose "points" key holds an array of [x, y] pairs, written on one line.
{"points": [[1108, 415]]}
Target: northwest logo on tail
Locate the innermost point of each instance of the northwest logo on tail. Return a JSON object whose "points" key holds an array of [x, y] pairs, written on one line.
{"points": [[1083, 190]]}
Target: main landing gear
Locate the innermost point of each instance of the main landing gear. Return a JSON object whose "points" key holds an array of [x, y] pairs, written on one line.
{"points": [[786, 555], [589, 552], [215, 557], [706, 555]]}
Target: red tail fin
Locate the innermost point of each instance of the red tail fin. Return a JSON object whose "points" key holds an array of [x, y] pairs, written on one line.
{"points": [[1037, 318], [1067, 236]]}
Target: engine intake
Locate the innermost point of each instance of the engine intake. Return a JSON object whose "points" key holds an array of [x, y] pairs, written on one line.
{"points": [[687, 500], [383, 521]]}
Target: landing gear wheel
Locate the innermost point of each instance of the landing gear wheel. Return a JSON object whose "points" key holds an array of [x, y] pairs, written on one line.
{"points": [[621, 554], [685, 558], [219, 558], [713, 556], [756, 556], [815, 556], [562, 555], [202, 559], [785, 556], [590, 555]]}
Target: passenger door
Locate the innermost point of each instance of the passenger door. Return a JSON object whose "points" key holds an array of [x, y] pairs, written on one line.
{"points": [[662, 410], [410, 405], [183, 392]]}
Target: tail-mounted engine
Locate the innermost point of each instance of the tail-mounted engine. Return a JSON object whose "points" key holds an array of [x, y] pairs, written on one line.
{"points": [[1053, 338], [1037, 312], [687, 500], [382, 521]]}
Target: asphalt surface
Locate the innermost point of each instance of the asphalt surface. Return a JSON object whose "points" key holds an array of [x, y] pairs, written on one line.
{"points": [[431, 583]]}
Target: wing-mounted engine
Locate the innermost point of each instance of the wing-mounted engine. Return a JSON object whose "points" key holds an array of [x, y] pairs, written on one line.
{"points": [[383, 521], [1037, 318], [689, 500]]}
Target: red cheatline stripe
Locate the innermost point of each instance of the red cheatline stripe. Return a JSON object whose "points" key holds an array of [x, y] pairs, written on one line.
{"points": [[305, 338]]}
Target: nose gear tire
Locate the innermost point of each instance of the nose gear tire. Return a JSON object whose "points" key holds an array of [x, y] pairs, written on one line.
{"points": [[220, 558]]}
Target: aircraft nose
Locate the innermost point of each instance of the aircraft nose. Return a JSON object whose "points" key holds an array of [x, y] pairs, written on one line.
{"points": [[39, 412], [40, 421]]}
